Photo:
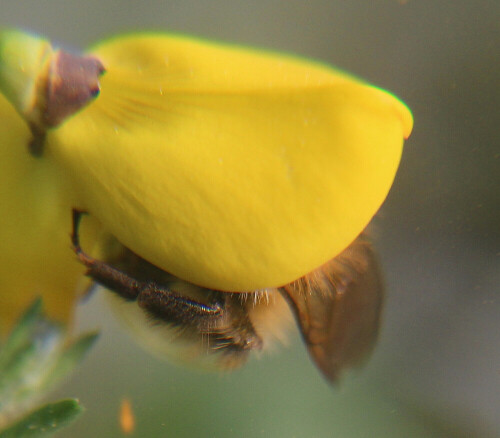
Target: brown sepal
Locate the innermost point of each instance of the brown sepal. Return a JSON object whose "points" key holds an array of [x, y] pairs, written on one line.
{"points": [[73, 82]]}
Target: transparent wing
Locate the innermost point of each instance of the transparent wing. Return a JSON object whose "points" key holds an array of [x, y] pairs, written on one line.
{"points": [[338, 308]]}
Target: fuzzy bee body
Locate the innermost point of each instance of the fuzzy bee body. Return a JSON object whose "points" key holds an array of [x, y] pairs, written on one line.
{"points": [[337, 308]]}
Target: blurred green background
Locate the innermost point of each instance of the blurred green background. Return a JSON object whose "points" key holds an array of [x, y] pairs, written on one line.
{"points": [[436, 369]]}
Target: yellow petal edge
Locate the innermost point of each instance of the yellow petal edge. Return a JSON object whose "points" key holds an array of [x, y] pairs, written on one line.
{"points": [[231, 168]]}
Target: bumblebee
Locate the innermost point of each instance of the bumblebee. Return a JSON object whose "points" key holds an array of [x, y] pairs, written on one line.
{"points": [[337, 308]]}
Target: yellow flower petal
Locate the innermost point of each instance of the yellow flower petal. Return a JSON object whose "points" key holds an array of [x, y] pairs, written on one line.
{"points": [[35, 254], [230, 168]]}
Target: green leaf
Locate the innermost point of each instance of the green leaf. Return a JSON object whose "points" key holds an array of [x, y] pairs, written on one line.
{"points": [[21, 333], [45, 421], [32, 349], [35, 357], [69, 358], [14, 368]]}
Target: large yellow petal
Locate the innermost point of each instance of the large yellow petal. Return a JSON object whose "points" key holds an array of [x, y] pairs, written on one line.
{"points": [[35, 223], [230, 168]]}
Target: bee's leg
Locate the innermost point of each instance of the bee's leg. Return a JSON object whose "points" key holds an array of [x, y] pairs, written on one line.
{"points": [[159, 301], [222, 319], [222, 328], [223, 322], [101, 272], [223, 325], [167, 306]]}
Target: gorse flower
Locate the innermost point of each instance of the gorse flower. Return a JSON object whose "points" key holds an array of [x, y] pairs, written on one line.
{"points": [[229, 168]]}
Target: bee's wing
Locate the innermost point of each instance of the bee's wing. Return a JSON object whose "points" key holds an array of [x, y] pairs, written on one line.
{"points": [[338, 308]]}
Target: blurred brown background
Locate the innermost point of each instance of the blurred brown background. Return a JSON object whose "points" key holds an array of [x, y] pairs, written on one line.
{"points": [[436, 371]]}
